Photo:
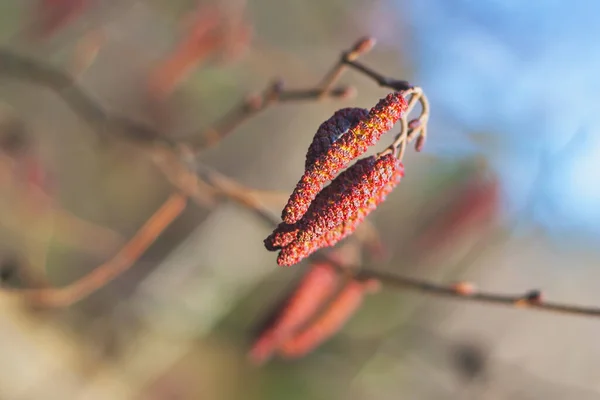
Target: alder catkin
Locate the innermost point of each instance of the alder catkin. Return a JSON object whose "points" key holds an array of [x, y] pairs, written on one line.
{"points": [[338, 209], [346, 303], [341, 152], [331, 130], [315, 288]]}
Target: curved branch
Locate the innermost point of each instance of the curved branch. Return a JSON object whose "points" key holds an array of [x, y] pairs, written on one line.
{"points": [[27, 69], [101, 275]]}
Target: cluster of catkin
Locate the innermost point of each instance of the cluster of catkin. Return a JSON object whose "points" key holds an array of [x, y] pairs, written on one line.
{"points": [[316, 309], [317, 216]]}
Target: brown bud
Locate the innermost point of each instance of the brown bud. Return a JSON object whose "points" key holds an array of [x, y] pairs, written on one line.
{"points": [[464, 288], [363, 45], [420, 142]]}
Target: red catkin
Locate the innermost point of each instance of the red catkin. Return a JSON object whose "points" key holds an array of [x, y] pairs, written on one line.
{"points": [[331, 130], [338, 209], [350, 193], [346, 303], [319, 283], [282, 236], [349, 146]]}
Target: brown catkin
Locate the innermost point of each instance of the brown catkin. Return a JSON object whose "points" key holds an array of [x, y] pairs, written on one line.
{"points": [[331, 130]]}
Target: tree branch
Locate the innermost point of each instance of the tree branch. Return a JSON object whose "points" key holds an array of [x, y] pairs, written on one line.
{"points": [[465, 291], [84, 105], [101, 275]]}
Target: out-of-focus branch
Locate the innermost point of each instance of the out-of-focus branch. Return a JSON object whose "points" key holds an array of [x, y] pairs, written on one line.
{"points": [[84, 105], [255, 104], [462, 291], [465, 291], [276, 93], [127, 256], [361, 47], [381, 80]]}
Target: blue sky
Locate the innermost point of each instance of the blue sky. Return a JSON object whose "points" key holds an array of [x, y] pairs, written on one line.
{"points": [[524, 76]]}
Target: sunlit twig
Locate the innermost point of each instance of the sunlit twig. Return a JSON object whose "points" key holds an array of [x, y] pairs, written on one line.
{"points": [[84, 105], [101, 275]]}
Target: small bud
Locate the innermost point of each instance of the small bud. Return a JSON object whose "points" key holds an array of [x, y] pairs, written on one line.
{"points": [[254, 101], [277, 86], [464, 288], [363, 45], [534, 297], [414, 124], [419, 143], [348, 93]]}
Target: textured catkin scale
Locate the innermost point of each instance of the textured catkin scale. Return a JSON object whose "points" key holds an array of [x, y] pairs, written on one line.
{"points": [[283, 235], [354, 143], [340, 208], [348, 195], [319, 283], [331, 130], [297, 251], [340, 310]]}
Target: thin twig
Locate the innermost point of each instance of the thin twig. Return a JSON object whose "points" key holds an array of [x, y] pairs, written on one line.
{"points": [[255, 104], [275, 93], [101, 275], [232, 190], [531, 299], [35, 72], [390, 83], [362, 46], [413, 130]]}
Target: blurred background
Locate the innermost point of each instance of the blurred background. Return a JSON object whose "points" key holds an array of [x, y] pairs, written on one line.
{"points": [[506, 194]]}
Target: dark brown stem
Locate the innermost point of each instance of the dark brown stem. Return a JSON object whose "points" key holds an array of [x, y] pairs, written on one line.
{"points": [[464, 291], [390, 83]]}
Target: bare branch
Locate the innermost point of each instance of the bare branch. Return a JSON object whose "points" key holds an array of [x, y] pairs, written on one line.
{"points": [[255, 104], [84, 105], [127, 256], [531, 299]]}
